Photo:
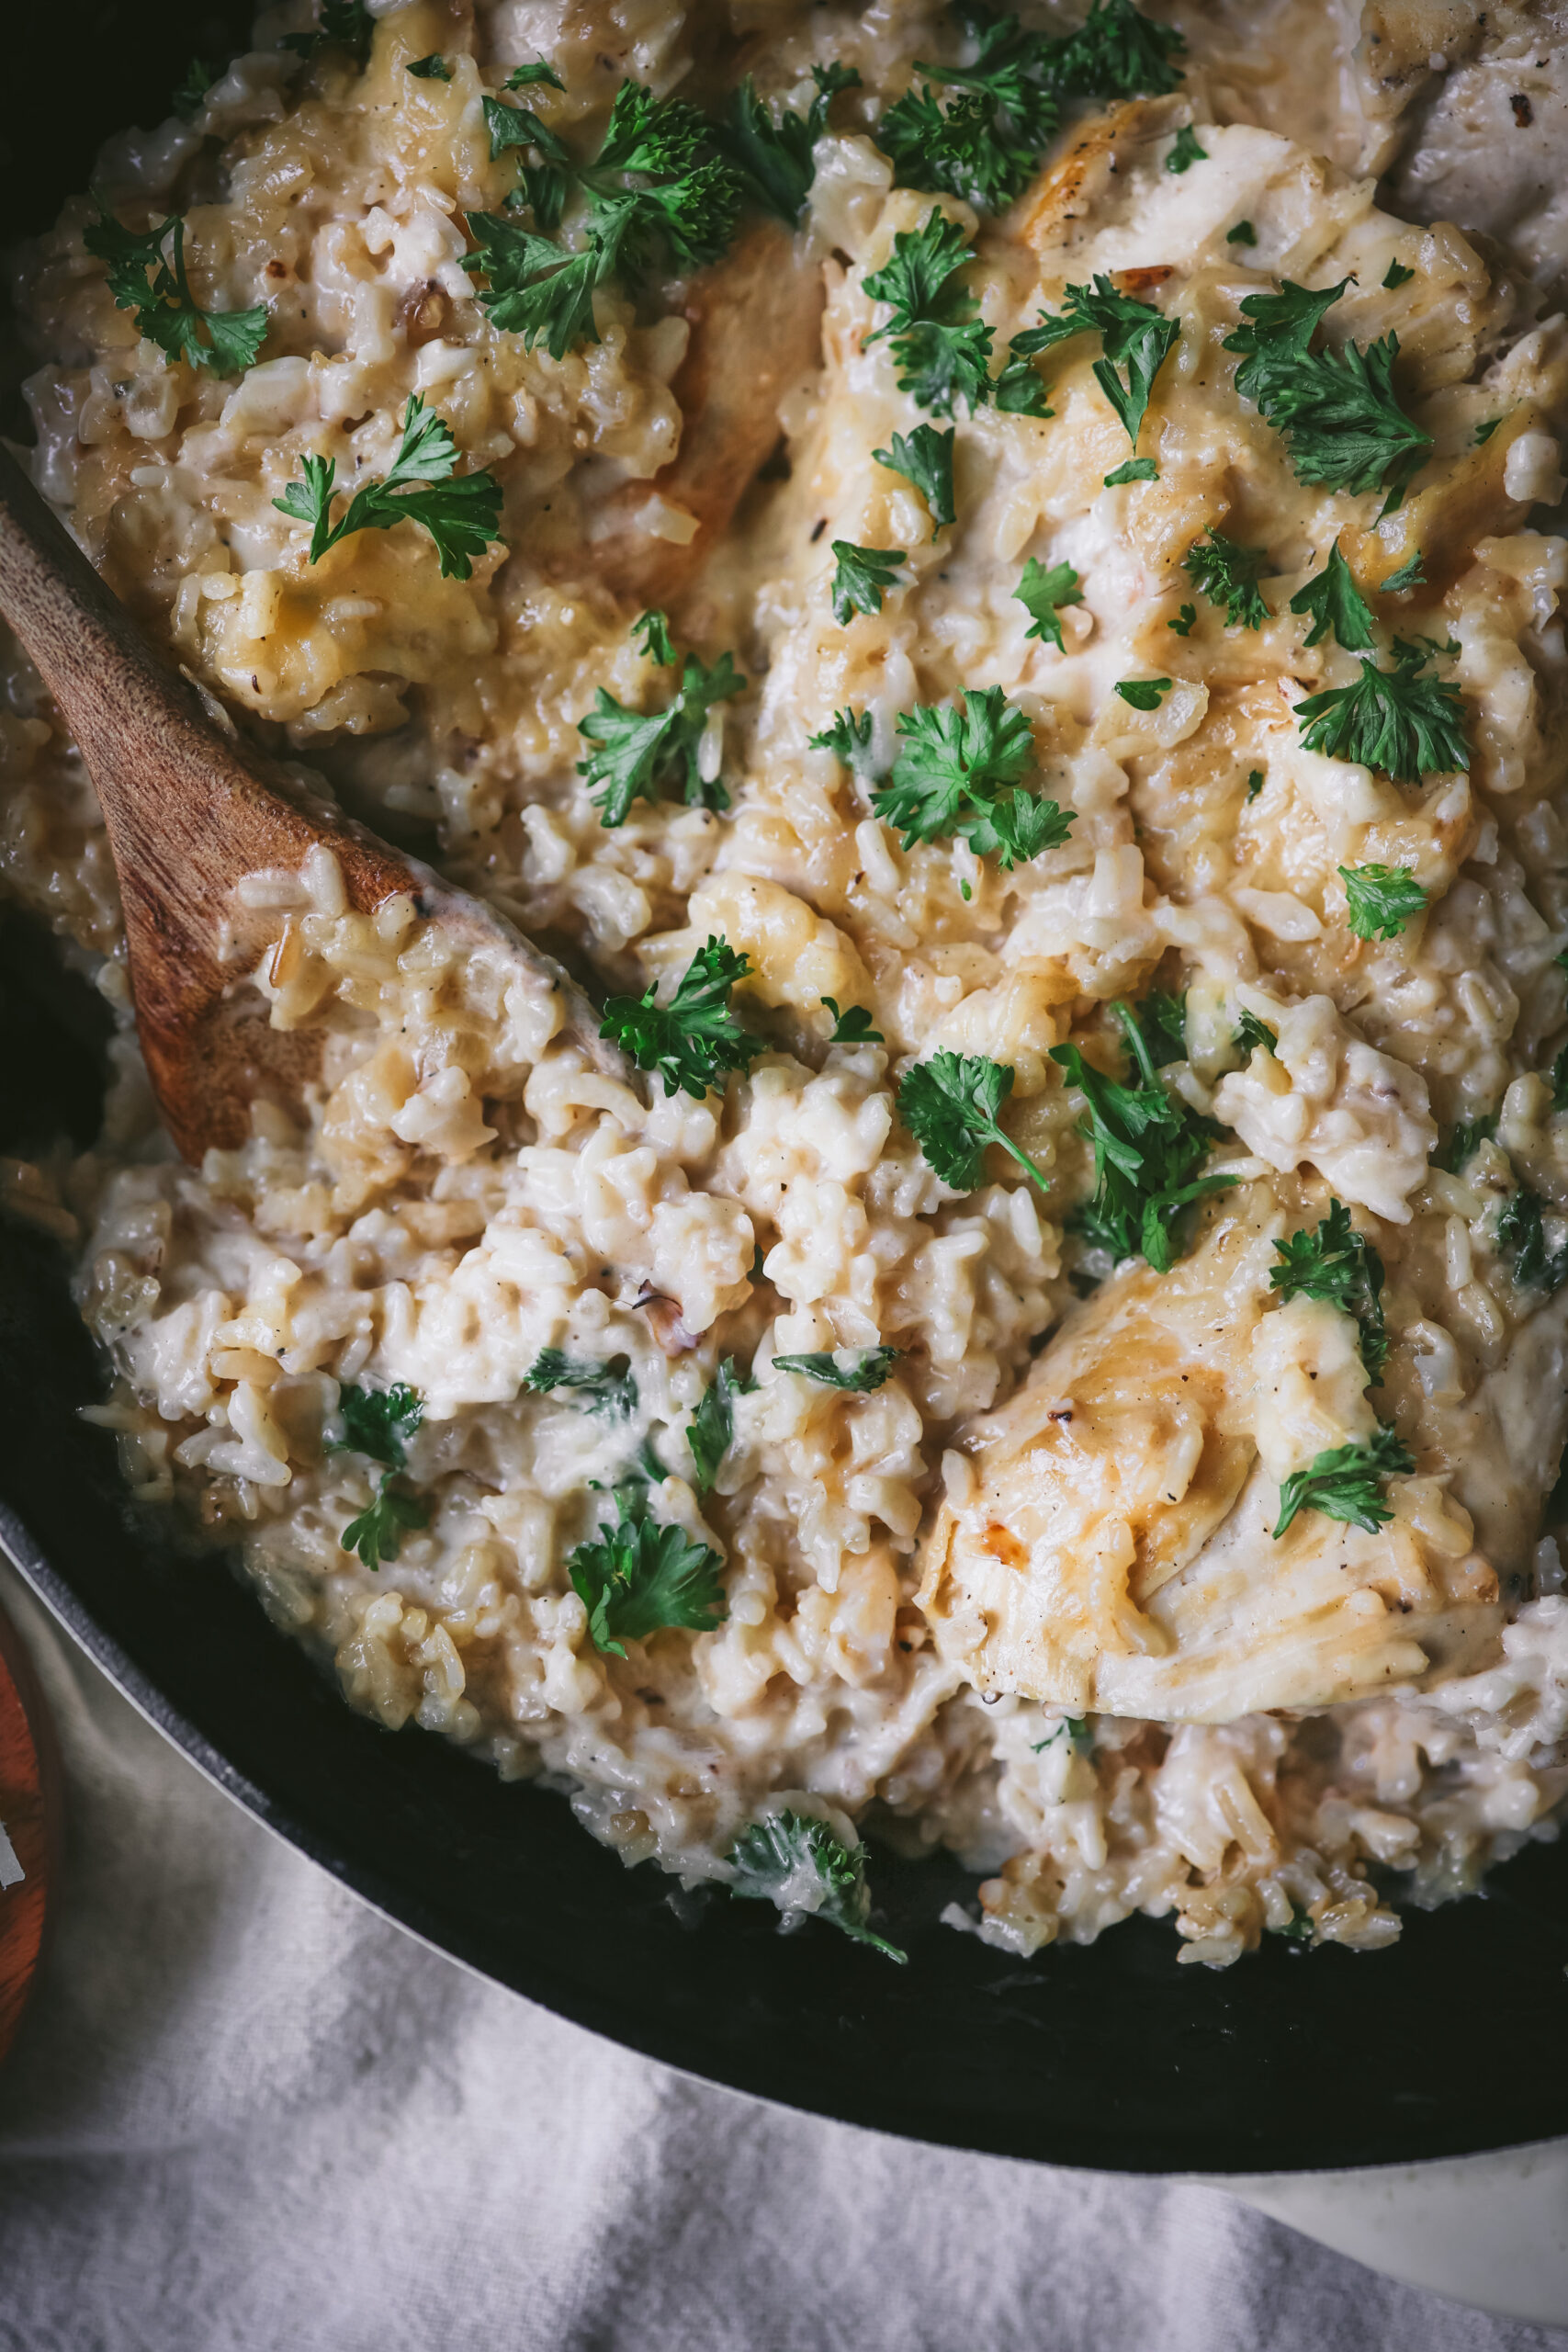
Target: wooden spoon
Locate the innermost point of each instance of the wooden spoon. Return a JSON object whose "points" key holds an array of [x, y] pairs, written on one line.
{"points": [[191, 808]]}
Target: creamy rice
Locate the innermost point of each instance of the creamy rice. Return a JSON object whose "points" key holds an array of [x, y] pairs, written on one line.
{"points": [[1021, 1600]]}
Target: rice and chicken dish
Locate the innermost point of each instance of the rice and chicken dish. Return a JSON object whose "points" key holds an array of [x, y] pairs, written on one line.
{"points": [[987, 584]]}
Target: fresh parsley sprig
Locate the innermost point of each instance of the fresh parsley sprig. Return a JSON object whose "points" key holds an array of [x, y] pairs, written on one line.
{"points": [[1227, 574], [950, 1105], [1381, 899], [462, 514], [940, 344], [1046, 592], [1135, 339], [1402, 719], [147, 277], [925, 458], [867, 1369], [1339, 1265], [1337, 410], [951, 779], [695, 1038], [862, 578], [796, 1862], [639, 755], [601, 1388], [1149, 1146], [710, 1433], [1335, 603], [1345, 1483], [640, 1576]]}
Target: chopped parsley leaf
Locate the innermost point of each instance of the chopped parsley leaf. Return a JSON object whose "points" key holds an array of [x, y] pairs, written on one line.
{"points": [[189, 95], [1020, 389], [951, 778], [862, 578], [1148, 1146], [773, 154], [1381, 899], [512, 127], [1250, 1033], [527, 77], [602, 1389], [1397, 276], [710, 1432], [1044, 593], [1463, 1142], [939, 342], [1133, 469], [1343, 1483], [640, 1576], [650, 635], [462, 515], [1412, 575], [1185, 150], [342, 24], [1227, 574], [1133, 335], [1073, 1728], [1337, 410], [867, 1367], [795, 1860], [1520, 1231], [950, 1105], [1244, 233], [642, 755], [854, 1027], [433, 68], [1116, 52], [695, 1038], [1407, 724], [983, 146], [1144, 694], [225, 343], [653, 199], [1254, 783], [377, 1534], [379, 1422], [1185, 616], [1339, 1265], [1334, 602], [1484, 432], [848, 739], [925, 458]]}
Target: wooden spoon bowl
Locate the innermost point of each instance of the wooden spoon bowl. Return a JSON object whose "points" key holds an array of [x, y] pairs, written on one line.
{"points": [[191, 808]]}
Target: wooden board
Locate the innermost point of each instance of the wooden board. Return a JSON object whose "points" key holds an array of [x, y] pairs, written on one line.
{"points": [[28, 1793]]}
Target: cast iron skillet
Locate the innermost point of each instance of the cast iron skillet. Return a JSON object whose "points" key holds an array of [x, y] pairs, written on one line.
{"points": [[1456, 2040]]}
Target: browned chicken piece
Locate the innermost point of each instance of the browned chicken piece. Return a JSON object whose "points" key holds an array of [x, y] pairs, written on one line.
{"points": [[1115, 1551], [756, 320]]}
